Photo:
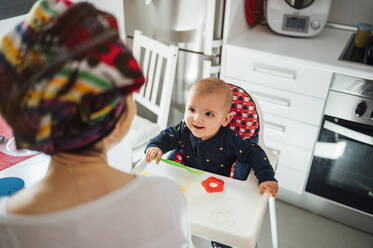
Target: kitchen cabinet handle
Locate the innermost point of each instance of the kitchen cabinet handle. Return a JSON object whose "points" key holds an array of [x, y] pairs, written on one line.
{"points": [[271, 99], [274, 127], [274, 71], [352, 134]]}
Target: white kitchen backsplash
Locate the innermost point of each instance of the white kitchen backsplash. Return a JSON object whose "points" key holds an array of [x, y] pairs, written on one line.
{"points": [[351, 12]]}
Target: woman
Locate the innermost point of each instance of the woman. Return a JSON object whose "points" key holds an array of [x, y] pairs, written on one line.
{"points": [[66, 83]]}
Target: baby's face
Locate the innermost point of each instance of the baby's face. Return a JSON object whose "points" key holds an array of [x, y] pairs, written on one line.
{"points": [[205, 114]]}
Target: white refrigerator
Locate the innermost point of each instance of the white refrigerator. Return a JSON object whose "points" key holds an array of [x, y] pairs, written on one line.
{"points": [[195, 26]]}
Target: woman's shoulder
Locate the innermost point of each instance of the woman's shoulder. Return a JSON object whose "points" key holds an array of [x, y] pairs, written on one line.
{"points": [[160, 188], [158, 183]]}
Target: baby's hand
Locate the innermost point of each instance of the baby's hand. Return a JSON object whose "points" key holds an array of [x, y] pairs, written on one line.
{"points": [[269, 186], [153, 152]]}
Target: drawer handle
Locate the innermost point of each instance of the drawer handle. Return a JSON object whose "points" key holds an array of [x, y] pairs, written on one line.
{"points": [[274, 127], [275, 71], [271, 99]]}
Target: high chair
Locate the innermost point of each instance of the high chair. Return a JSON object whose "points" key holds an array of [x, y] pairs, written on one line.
{"points": [[248, 121], [158, 62]]}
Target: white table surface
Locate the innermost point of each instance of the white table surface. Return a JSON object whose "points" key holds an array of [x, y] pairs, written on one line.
{"points": [[233, 216], [31, 170], [34, 169]]}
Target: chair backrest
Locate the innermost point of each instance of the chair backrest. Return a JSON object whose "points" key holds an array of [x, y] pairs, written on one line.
{"points": [[245, 119], [158, 62]]}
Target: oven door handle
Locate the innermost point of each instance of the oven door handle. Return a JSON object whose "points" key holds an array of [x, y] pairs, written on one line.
{"points": [[352, 134]]}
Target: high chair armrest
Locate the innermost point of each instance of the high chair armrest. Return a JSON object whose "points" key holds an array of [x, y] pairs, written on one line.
{"points": [[139, 167]]}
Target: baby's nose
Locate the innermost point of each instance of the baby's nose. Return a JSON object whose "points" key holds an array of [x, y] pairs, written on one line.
{"points": [[197, 117]]}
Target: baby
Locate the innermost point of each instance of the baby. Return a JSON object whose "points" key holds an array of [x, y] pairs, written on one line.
{"points": [[205, 140]]}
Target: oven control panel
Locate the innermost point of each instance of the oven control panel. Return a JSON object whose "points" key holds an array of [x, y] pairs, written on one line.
{"points": [[351, 98]]}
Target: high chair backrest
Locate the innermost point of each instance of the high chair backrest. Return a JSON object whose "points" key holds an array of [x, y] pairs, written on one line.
{"points": [[158, 62], [245, 119], [248, 122]]}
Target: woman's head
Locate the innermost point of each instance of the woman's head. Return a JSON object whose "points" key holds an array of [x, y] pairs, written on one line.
{"points": [[65, 76]]}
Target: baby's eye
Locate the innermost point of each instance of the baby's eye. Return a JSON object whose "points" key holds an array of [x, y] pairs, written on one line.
{"points": [[191, 109], [209, 114]]}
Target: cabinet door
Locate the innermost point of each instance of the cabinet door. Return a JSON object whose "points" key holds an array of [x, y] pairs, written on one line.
{"points": [[291, 157], [284, 103], [276, 71], [290, 179], [289, 132]]}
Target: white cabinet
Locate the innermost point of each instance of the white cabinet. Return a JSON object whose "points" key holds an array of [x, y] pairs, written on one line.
{"points": [[291, 124], [290, 90], [290, 105], [276, 71]]}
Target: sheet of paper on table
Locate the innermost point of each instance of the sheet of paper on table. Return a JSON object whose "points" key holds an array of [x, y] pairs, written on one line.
{"points": [[233, 216]]}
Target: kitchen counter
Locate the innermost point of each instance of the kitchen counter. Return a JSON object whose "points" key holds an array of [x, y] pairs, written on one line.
{"points": [[321, 51]]}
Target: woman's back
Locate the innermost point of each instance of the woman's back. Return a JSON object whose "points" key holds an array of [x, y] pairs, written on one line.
{"points": [[136, 215], [66, 90]]}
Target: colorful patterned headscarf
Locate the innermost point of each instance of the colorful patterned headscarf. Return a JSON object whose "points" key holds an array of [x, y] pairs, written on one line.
{"points": [[64, 75]]}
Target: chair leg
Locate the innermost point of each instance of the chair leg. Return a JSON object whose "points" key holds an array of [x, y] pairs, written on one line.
{"points": [[273, 221]]}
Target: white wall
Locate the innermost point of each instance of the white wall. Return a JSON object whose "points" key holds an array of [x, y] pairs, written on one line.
{"points": [[351, 12]]}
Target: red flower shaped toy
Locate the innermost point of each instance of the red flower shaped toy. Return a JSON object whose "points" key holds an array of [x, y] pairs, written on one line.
{"points": [[213, 184]]}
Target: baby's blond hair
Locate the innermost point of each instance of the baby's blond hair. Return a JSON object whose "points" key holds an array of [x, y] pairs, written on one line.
{"points": [[207, 86]]}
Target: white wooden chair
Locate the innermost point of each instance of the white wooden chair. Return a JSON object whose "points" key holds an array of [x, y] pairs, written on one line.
{"points": [[158, 62]]}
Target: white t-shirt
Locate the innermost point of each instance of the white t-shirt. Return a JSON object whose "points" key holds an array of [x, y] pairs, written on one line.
{"points": [[147, 212]]}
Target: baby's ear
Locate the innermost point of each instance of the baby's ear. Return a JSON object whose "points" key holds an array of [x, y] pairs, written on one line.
{"points": [[228, 117]]}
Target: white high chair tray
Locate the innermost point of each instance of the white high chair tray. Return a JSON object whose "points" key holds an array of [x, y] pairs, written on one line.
{"points": [[232, 217]]}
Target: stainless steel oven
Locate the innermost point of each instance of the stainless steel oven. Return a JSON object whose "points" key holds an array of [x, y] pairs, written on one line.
{"points": [[342, 167]]}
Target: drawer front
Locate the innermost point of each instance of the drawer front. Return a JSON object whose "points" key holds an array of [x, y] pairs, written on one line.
{"points": [[290, 179], [276, 71], [283, 103], [291, 157], [289, 132]]}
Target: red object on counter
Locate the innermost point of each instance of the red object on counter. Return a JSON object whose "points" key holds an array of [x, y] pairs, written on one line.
{"points": [[211, 189], [254, 10], [6, 160]]}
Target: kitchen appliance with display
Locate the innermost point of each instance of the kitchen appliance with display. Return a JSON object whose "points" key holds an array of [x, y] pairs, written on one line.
{"points": [[304, 18]]}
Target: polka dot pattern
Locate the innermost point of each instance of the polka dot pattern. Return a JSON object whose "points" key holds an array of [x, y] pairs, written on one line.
{"points": [[245, 121], [245, 118]]}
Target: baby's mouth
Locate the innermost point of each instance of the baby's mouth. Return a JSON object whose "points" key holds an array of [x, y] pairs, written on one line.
{"points": [[197, 127]]}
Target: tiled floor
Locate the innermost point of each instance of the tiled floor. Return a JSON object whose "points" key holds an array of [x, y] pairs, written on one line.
{"points": [[301, 229]]}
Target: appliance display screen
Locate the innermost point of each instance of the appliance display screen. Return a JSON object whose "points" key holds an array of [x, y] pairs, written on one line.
{"points": [[296, 23]]}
